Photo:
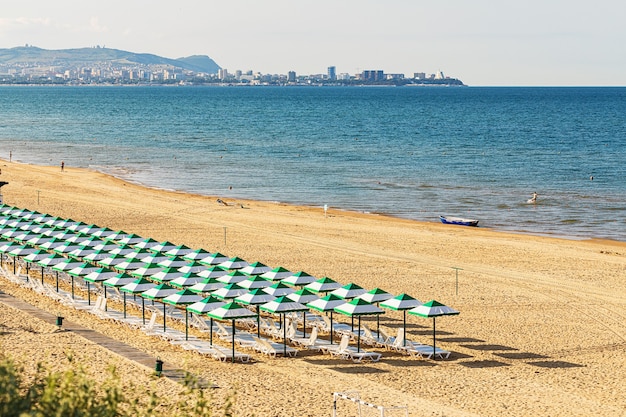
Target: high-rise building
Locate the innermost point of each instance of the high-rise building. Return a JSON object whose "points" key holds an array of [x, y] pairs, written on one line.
{"points": [[332, 73], [291, 76]]}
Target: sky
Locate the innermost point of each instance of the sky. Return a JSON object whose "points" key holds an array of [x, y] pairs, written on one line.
{"points": [[481, 42]]}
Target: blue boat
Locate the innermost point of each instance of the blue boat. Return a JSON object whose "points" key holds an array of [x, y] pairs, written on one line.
{"points": [[458, 221]]}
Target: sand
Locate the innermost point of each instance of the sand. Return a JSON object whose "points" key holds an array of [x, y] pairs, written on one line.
{"points": [[542, 328]]}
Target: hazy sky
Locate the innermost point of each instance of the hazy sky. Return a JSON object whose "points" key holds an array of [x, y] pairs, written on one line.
{"points": [[482, 42]]}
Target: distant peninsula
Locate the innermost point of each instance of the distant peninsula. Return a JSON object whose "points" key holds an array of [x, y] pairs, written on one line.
{"points": [[30, 65]]}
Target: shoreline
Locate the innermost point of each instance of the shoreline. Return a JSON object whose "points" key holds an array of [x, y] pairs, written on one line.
{"points": [[540, 328], [315, 207]]}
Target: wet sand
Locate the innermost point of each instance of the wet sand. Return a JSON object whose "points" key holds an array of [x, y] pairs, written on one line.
{"points": [[542, 328]]}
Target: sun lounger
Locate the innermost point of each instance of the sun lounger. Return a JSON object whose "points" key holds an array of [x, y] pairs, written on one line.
{"points": [[344, 351], [311, 342], [226, 354], [425, 351], [273, 349]]}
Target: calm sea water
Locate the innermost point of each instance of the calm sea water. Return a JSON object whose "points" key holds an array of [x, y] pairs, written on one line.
{"points": [[410, 152]]}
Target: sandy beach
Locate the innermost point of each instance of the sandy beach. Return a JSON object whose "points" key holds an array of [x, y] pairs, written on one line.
{"points": [[541, 329]]}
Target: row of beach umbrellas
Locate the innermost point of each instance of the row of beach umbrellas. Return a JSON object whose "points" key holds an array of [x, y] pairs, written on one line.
{"points": [[196, 280]]}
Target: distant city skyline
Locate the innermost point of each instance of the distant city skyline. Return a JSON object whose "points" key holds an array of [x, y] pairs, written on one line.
{"points": [[481, 42]]}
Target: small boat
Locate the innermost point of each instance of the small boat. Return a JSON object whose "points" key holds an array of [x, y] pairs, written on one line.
{"points": [[458, 221]]}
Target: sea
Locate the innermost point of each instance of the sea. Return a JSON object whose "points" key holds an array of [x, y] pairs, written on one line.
{"points": [[409, 152]]}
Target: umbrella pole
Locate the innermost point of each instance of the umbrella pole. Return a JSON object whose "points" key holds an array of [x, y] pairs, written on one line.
{"points": [[434, 350], [331, 327], [42, 276], [211, 324], [105, 296], [404, 329], [285, 336], [57, 275], [124, 304], [304, 323], [258, 322], [163, 317], [233, 340], [72, 287], [88, 293], [143, 310], [186, 325], [358, 337]]}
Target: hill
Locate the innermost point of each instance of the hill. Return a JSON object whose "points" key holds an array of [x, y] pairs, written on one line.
{"points": [[88, 56]]}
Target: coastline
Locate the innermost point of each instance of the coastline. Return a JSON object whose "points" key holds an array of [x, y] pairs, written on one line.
{"points": [[539, 330]]}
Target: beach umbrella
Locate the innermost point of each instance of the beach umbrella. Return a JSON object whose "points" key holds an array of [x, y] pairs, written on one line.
{"points": [[192, 267], [135, 286], [277, 274], [11, 233], [88, 229], [303, 296], [64, 234], [197, 254], [401, 302], [22, 251], [98, 276], [229, 291], [65, 266], [124, 250], [213, 272], [324, 285], [256, 268], [233, 277], [158, 293], [107, 246], [207, 285], [254, 282], [183, 298], [24, 236], [153, 258], [42, 218], [283, 305], [349, 291], [163, 247], [186, 280], [213, 259], [204, 306], [327, 303], [180, 250], [146, 243], [279, 289], [82, 271], [299, 279], [130, 239], [175, 262], [81, 252], [39, 240], [111, 260], [231, 311], [52, 243], [66, 248], [85, 240], [234, 263], [37, 255], [358, 307], [115, 236], [96, 255], [118, 281], [376, 296], [129, 265], [74, 227], [146, 270], [433, 309], [137, 254], [49, 262], [102, 232], [255, 297], [166, 275]]}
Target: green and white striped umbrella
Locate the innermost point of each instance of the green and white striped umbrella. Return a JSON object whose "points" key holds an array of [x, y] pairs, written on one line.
{"points": [[102, 232], [358, 307], [197, 254], [192, 267], [231, 311], [279, 289], [129, 265], [127, 249], [255, 297], [38, 255], [255, 282], [51, 244], [66, 248], [183, 298], [283, 305], [107, 246], [323, 285], [147, 270], [299, 279], [180, 250], [233, 277], [327, 303], [175, 262], [153, 258], [213, 259], [159, 292], [96, 255], [111, 260], [130, 239], [166, 275], [234, 263], [433, 309], [349, 291], [401, 302], [81, 252], [82, 271], [256, 268], [213, 272], [135, 286], [22, 250], [186, 280], [163, 247], [204, 306], [377, 296], [207, 285], [146, 243], [229, 291], [277, 274], [137, 254]]}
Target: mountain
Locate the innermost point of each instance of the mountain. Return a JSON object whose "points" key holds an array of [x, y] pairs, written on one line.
{"points": [[87, 56]]}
